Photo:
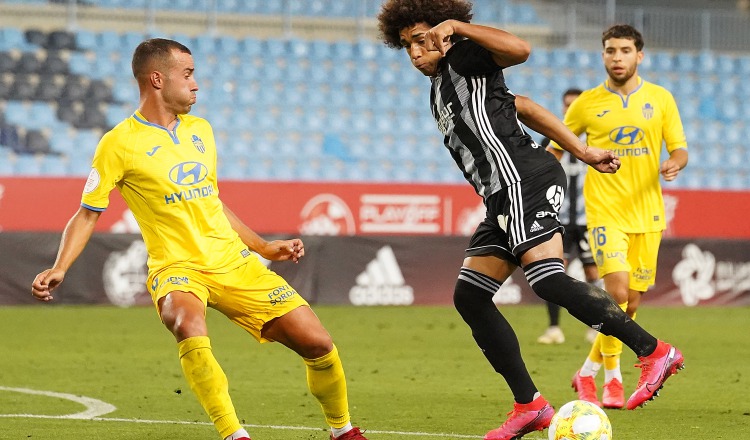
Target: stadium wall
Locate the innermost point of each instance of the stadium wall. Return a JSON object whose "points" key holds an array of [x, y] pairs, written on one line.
{"points": [[362, 271], [335, 208]]}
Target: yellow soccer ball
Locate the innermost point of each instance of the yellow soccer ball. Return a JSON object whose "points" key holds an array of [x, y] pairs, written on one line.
{"points": [[580, 420]]}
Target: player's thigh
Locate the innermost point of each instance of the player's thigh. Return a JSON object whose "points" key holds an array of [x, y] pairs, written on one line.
{"points": [[493, 266], [161, 283], [301, 331], [644, 252], [252, 295], [489, 251]]}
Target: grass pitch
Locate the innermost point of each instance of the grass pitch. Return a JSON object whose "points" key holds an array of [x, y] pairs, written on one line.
{"points": [[414, 373]]}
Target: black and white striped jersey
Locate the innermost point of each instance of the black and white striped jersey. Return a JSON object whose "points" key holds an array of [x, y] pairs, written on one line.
{"points": [[477, 114]]}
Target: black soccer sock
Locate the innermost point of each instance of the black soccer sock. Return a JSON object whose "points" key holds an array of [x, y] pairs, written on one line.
{"points": [[553, 310], [492, 332], [587, 303]]}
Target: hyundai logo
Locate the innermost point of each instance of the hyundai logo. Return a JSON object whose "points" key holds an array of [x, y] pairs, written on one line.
{"points": [[627, 135], [188, 173]]}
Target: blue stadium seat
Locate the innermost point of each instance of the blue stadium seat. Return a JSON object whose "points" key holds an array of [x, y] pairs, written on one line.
{"points": [[743, 65], [586, 59], [202, 44], [267, 7], [685, 62], [227, 46], [28, 166], [250, 47], [706, 62], [6, 164], [726, 64], [342, 51], [13, 38], [662, 62], [745, 112], [729, 110], [490, 11], [525, 14], [708, 109], [338, 8], [540, 57], [54, 166], [232, 169], [366, 50], [129, 41], [316, 8], [706, 89], [320, 50]]}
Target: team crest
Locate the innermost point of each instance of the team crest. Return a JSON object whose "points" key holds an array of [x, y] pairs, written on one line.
{"points": [[648, 111], [199, 144]]}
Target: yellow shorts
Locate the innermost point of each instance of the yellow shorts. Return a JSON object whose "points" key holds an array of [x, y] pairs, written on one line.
{"points": [[618, 251], [250, 295]]}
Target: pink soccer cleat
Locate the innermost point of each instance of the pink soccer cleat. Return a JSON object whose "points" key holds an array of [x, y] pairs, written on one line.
{"points": [[354, 434], [655, 369], [585, 386], [614, 395], [524, 418]]}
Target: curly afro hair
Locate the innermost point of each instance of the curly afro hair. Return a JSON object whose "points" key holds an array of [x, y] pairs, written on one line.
{"points": [[396, 15]]}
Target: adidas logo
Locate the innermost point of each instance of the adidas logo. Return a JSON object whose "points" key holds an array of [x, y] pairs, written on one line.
{"points": [[381, 283], [535, 227]]}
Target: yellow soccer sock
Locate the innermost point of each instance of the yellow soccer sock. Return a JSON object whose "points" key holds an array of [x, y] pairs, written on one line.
{"points": [[326, 380], [612, 349], [209, 383]]}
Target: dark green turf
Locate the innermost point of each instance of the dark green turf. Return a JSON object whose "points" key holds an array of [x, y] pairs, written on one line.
{"points": [[409, 370]]}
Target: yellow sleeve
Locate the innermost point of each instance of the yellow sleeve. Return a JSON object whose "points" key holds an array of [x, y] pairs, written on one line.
{"points": [[107, 170], [672, 130]]}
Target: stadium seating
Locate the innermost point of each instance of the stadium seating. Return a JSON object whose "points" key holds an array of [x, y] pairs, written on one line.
{"points": [[313, 109]]}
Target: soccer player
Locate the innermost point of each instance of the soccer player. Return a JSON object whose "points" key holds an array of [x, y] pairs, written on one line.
{"points": [[522, 186], [163, 162], [573, 219], [625, 212]]}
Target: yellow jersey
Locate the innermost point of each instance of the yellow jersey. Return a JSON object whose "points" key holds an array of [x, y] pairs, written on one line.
{"points": [[634, 127], [168, 180]]}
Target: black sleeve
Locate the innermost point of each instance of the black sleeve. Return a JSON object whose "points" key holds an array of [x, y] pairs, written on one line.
{"points": [[545, 142], [468, 59]]}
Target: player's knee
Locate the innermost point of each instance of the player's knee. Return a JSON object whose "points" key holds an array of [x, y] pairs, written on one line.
{"points": [[547, 278], [473, 291], [185, 325], [316, 346]]}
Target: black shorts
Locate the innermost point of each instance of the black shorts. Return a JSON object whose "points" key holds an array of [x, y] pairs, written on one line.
{"points": [[520, 216], [576, 244]]}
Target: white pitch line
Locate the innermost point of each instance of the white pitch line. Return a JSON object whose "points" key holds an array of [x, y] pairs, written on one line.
{"points": [[96, 408]]}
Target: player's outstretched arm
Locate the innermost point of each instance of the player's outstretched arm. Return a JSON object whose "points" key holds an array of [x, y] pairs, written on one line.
{"points": [[506, 49], [276, 250], [543, 121], [75, 236]]}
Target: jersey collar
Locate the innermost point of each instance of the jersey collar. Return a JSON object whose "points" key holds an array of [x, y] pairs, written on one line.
{"points": [[626, 97], [172, 134]]}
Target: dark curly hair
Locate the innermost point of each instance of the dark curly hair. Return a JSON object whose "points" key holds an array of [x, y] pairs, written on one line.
{"points": [[395, 15], [624, 31]]}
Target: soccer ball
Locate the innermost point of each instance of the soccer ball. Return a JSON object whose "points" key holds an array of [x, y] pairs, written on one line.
{"points": [[580, 420]]}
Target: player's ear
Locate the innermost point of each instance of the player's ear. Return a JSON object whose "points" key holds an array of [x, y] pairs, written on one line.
{"points": [[157, 79]]}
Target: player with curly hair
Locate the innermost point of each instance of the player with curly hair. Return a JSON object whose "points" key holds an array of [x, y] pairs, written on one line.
{"points": [[522, 187]]}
